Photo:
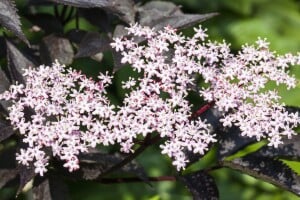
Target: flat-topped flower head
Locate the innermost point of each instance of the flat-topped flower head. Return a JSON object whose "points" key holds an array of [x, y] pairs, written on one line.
{"points": [[62, 110]]}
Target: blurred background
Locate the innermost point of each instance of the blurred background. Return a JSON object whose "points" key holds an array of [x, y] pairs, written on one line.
{"points": [[238, 22]]}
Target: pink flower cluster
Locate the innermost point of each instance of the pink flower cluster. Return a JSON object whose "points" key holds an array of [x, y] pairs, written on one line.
{"points": [[71, 113], [169, 62], [66, 113]]}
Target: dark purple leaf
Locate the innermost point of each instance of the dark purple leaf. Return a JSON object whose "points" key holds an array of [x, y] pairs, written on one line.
{"points": [[17, 61], [8, 170], [5, 131], [26, 174], [6, 176], [159, 14], [10, 19], [124, 9], [39, 2], [290, 149], [85, 3], [180, 21], [231, 141], [56, 48], [4, 85], [97, 17], [46, 22], [76, 35], [155, 10], [120, 31], [51, 188], [94, 164], [201, 185], [267, 169], [91, 44]]}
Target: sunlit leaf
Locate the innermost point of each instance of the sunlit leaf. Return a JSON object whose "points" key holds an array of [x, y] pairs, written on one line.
{"points": [[289, 149], [161, 14], [122, 8], [10, 19], [56, 48], [267, 169], [231, 141]]}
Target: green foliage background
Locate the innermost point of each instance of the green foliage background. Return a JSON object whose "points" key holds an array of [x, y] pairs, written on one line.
{"points": [[238, 22]]}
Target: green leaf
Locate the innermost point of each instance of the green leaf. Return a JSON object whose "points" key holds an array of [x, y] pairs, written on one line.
{"points": [[10, 19], [201, 185]]}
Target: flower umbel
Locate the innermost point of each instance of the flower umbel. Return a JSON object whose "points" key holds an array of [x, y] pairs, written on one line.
{"points": [[62, 110]]}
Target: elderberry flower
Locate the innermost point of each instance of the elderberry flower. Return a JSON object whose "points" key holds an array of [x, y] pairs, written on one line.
{"points": [[61, 110], [168, 62]]}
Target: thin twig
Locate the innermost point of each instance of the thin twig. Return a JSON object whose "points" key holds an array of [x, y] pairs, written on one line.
{"points": [[148, 141], [135, 179]]}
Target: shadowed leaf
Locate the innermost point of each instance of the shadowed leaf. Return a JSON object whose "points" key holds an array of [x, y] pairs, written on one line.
{"points": [[10, 19], [26, 174], [4, 85], [95, 164], [6, 176], [5, 131], [56, 48], [201, 185], [267, 169], [97, 17], [39, 2], [8, 170], [51, 188], [17, 61], [46, 22], [91, 44], [76, 35]]}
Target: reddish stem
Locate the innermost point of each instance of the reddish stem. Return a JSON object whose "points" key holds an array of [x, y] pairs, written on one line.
{"points": [[202, 109]]}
